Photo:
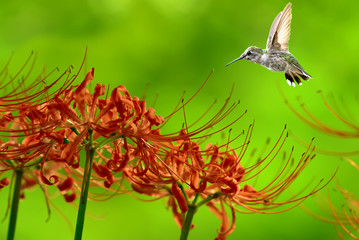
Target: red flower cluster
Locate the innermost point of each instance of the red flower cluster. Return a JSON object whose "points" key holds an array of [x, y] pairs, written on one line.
{"points": [[54, 132], [216, 176], [47, 134]]}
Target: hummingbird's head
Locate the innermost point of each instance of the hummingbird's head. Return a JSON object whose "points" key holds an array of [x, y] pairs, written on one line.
{"points": [[252, 54]]}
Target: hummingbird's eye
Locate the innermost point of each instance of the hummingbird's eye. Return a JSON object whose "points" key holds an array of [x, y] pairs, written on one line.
{"points": [[249, 53]]}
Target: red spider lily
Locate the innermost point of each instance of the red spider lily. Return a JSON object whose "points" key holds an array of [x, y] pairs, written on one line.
{"points": [[120, 130], [57, 130], [26, 125], [23, 111], [50, 134], [217, 176], [128, 125], [120, 116], [36, 136]]}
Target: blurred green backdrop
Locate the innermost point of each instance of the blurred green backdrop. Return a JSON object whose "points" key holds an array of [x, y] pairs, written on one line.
{"points": [[173, 45]]}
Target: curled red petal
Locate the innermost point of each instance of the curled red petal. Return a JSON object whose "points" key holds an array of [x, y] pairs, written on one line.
{"points": [[4, 182], [176, 214], [101, 170], [178, 194], [144, 188], [53, 179], [226, 226], [49, 181], [66, 185], [109, 181], [70, 197], [119, 163], [69, 151], [153, 118], [89, 77], [5, 119], [232, 185]]}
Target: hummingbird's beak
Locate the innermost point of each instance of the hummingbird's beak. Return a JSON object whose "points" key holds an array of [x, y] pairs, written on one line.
{"points": [[241, 57]]}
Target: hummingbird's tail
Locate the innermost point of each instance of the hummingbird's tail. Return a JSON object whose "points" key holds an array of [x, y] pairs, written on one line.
{"points": [[290, 76]]}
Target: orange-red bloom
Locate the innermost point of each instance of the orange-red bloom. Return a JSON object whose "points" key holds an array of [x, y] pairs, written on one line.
{"points": [[217, 175], [46, 139], [50, 135]]}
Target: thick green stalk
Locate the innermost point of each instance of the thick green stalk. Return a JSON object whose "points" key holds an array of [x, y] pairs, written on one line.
{"points": [[15, 204], [90, 152], [188, 222], [192, 208]]}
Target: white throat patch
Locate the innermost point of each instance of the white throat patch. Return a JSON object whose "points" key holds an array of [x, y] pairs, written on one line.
{"points": [[264, 57]]}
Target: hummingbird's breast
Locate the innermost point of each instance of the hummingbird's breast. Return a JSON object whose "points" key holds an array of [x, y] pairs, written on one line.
{"points": [[274, 62]]}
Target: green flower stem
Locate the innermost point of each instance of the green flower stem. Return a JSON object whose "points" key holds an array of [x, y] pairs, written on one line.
{"points": [[188, 221], [192, 208], [108, 140], [90, 152], [15, 204], [208, 199]]}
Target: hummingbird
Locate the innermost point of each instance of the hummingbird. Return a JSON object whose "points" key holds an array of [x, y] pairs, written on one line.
{"points": [[276, 57]]}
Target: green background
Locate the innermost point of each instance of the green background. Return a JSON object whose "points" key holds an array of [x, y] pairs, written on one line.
{"points": [[174, 45]]}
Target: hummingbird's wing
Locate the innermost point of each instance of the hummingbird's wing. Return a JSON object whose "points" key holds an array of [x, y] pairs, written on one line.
{"points": [[280, 31]]}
